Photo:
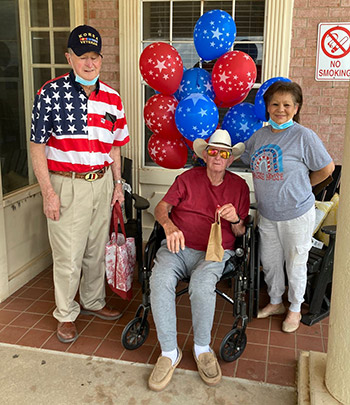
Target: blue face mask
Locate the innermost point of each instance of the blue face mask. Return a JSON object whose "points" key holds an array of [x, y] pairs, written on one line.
{"points": [[84, 82], [281, 126]]}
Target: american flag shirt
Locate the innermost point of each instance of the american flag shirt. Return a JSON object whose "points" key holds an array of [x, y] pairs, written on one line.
{"points": [[78, 131]]}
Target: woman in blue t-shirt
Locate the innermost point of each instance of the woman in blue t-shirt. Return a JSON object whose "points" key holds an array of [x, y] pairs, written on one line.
{"points": [[286, 160]]}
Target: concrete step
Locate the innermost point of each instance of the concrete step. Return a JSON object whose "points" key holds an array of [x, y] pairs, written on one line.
{"points": [[311, 380]]}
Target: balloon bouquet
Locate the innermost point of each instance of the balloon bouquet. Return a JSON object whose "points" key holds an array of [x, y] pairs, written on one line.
{"points": [[186, 104]]}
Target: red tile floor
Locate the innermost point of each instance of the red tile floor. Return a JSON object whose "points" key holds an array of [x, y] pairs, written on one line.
{"points": [[270, 356]]}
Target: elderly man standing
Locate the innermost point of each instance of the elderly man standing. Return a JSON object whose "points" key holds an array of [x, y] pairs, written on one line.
{"points": [[193, 201], [78, 127]]}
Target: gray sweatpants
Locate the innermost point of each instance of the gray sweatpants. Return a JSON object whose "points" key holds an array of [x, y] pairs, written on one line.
{"points": [[168, 269], [289, 242]]}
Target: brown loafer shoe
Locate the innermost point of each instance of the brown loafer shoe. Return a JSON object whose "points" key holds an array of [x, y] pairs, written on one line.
{"points": [[67, 332], [267, 311], [105, 313], [163, 372], [208, 368]]}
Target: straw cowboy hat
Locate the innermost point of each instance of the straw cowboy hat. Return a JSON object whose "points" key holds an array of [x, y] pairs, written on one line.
{"points": [[220, 139]]}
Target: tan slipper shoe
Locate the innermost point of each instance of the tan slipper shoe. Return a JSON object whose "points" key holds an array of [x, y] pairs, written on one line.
{"points": [[266, 312], [163, 372], [208, 368], [289, 327]]}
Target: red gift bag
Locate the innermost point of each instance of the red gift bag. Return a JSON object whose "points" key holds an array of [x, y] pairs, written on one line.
{"points": [[120, 257]]}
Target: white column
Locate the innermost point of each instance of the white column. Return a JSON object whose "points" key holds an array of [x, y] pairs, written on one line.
{"points": [[338, 356], [278, 37], [130, 80]]}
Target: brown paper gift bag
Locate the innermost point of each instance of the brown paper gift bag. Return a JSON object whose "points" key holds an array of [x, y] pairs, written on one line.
{"points": [[215, 251]]}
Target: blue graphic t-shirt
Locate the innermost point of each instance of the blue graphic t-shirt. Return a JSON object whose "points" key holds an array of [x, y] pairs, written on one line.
{"points": [[280, 163]]}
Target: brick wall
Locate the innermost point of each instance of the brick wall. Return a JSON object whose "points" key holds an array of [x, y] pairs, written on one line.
{"points": [[325, 103], [104, 16]]}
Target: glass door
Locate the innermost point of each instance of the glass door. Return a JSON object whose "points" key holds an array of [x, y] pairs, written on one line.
{"points": [[13, 144]]}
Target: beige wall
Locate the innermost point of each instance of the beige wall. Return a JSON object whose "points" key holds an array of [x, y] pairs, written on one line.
{"points": [[25, 250]]}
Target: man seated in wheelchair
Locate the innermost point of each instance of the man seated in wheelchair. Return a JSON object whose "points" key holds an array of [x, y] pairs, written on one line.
{"points": [[195, 200]]}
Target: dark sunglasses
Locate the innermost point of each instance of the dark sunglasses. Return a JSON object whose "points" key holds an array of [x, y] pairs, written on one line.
{"points": [[225, 154]]}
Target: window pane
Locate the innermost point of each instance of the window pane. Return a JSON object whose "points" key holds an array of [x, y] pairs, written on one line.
{"points": [[41, 76], [218, 5], [255, 51], [41, 47], [39, 13], [13, 144], [249, 19], [60, 13], [60, 44], [185, 16], [188, 54], [156, 17], [62, 71]]}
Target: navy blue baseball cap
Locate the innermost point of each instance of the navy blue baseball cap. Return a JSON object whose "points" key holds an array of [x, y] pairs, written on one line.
{"points": [[85, 39]]}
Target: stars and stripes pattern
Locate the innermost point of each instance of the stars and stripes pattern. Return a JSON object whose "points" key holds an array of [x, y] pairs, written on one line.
{"points": [[78, 131]]}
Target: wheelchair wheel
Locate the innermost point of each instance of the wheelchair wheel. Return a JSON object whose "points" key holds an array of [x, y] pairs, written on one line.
{"points": [[233, 345], [135, 334]]}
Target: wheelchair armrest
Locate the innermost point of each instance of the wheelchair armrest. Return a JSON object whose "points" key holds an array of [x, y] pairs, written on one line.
{"points": [[329, 229], [253, 206], [249, 221], [140, 202]]}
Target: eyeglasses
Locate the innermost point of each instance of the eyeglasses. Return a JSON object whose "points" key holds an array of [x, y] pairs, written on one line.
{"points": [[225, 154]]}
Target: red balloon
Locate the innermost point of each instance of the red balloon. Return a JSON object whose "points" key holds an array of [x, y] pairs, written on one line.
{"points": [[234, 74], [161, 67], [171, 154], [159, 115]]}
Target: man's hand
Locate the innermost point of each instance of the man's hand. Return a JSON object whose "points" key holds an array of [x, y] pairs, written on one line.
{"points": [[228, 212], [51, 203], [118, 194], [174, 237]]}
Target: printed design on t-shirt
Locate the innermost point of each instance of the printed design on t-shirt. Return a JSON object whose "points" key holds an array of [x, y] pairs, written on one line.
{"points": [[267, 163]]}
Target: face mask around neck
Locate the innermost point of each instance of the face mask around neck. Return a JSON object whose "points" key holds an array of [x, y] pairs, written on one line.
{"points": [[281, 126], [84, 82]]}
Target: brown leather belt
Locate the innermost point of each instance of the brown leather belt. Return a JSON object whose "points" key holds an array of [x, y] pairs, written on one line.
{"points": [[89, 176]]}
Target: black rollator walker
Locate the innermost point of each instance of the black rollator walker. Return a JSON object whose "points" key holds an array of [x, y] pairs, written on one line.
{"points": [[241, 272]]}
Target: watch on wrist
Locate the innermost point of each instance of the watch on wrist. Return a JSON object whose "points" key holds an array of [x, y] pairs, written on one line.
{"points": [[117, 182], [236, 222]]}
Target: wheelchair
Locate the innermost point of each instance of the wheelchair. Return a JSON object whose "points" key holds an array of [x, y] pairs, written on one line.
{"points": [[241, 272]]}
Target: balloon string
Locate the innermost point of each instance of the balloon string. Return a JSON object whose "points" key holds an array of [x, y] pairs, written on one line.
{"points": [[193, 155]]}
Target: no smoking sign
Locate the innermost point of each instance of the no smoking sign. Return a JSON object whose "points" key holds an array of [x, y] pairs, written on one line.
{"points": [[333, 52]]}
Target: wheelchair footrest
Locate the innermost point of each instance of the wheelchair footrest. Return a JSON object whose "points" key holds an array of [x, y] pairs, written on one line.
{"points": [[310, 319]]}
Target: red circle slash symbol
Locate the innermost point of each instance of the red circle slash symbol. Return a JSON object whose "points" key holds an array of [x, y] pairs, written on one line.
{"points": [[335, 42]]}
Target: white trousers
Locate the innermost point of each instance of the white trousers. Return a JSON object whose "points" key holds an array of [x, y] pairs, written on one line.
{"points": [[286, 242]]}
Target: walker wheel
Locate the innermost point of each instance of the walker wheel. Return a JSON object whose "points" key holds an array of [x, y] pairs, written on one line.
{"points": [[233, 345], [135, 333]]}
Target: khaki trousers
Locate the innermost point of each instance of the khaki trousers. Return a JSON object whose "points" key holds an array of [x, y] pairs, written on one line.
{"points": [[78, 242]]}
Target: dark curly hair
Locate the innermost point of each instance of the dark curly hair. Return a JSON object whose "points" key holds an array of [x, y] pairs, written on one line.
{"points": [[285, 87]]}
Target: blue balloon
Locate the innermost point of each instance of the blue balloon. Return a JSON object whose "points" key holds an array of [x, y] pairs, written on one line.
{"points": [[241, 122], [259, 103], [195, 80], [196, 116], [214, 34]]}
